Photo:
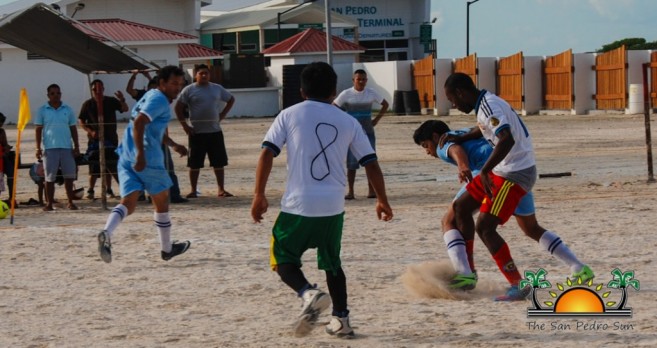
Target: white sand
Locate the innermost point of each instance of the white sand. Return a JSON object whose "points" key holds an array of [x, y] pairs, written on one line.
{"points": [[56, 292]]}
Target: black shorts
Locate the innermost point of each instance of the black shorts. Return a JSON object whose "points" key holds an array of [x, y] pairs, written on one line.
{"points": [[111, 158], [211, 144]]}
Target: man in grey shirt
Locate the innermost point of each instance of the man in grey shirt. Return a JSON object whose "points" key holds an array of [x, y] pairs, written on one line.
{"points": [[203, 100]]}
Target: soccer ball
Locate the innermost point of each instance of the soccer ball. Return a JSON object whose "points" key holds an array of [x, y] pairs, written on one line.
{"points": [[4, 209]]}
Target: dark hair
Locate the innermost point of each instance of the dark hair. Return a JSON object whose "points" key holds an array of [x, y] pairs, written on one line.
{"points": [[199, 67], [360, 72], [2, 119], [318, 80], [460, 81], [428, 128], [154, 81], [54, 85], [96, 81], [168, 71]]}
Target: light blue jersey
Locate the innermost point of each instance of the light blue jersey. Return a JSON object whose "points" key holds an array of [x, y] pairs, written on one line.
{"points": [[154, 178], [155, 105], [478, 151]]}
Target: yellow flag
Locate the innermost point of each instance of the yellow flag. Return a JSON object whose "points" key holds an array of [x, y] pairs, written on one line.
{"points": [[23, 110]]}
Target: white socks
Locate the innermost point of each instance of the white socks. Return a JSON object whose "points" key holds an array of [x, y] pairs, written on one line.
{"points": [[114, 219], [163, 224], [457, 252], [551, 242]]}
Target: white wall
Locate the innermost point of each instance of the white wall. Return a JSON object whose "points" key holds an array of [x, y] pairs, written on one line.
{"points": [[487, 74], [532, 85], [36, 75], [255, 102], [584, 83], [444, 68]]}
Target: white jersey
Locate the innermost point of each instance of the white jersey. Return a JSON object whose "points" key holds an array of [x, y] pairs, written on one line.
{"points": [[359, 105], [317, 136], [495, 114]]}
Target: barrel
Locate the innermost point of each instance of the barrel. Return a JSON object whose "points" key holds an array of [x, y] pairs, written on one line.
{"points": [[398, 103], [636, 99], [412, 102]]}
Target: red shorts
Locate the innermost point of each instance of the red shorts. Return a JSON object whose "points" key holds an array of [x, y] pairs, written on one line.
{"points": [[506, 196]]}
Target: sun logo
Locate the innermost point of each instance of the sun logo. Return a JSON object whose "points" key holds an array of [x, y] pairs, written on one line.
{"points": [[578, 298]]}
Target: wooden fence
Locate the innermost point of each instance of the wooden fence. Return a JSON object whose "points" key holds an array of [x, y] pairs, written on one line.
{"points": [[509, 81], [558, 72], [424, 75], [468, 66], [611, 80]]}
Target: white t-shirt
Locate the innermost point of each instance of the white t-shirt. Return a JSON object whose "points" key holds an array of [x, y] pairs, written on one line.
{"points": [[317, 136], [359, 105], [495, 114]]}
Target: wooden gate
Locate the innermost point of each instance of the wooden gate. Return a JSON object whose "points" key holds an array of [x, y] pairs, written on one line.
{"points": [[653, 78], [559, 81], [468, 66], [611, 80], [509, 72], [424, 74]]}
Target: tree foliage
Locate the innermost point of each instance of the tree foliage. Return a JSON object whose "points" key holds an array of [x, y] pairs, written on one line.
{"points": [[634, 43]]}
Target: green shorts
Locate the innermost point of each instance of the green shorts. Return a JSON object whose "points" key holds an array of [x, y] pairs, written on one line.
{"points": [[293, 234]]}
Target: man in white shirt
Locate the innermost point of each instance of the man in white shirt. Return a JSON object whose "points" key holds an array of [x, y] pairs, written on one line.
{"points": [[357, 101], [317, 136]]}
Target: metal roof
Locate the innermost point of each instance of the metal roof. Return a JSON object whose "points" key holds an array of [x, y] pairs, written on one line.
{"points": [[268, 17], [312, 41], [122, 30], [187, 52], [41, 30]]}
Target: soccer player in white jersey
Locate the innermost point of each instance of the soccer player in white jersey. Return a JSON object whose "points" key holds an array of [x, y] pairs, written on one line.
{"points": [[141, 163], [508, 174], [357, 101], [469, 157], [317, 135]]}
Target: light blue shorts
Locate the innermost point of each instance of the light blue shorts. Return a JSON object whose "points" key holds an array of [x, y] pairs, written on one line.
{"points": [[525, 206], [151, 180], [352, 161]]}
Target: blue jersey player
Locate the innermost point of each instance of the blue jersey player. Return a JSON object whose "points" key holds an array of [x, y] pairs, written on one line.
{"points": [[469, 157], [141, 163]]}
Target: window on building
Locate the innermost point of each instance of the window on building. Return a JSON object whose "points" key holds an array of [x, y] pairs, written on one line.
{"points": [[248, 47], [397, 43], [373, 56]]}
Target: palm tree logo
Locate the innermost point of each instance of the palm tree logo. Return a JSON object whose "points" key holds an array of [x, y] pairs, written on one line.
{"points": [[579, 299]]}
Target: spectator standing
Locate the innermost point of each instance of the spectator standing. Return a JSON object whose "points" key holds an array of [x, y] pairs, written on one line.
{"points": [[357, 101], [89, 121], [203, 100], [56, 131]]}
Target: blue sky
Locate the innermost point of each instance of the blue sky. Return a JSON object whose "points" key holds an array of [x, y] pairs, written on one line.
{"points": [[500, 28]]}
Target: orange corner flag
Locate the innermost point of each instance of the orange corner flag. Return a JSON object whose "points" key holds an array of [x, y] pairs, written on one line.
{"points": [[23, 110]]}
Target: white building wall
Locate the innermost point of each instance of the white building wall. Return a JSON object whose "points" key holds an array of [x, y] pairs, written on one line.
{"points": [[386, 20], [532, 85], [444, 68], [584, 83], [36, 75]]}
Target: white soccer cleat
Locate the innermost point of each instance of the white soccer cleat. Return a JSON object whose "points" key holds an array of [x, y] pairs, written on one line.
{"points": [[314, 303], [340, 327]]}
